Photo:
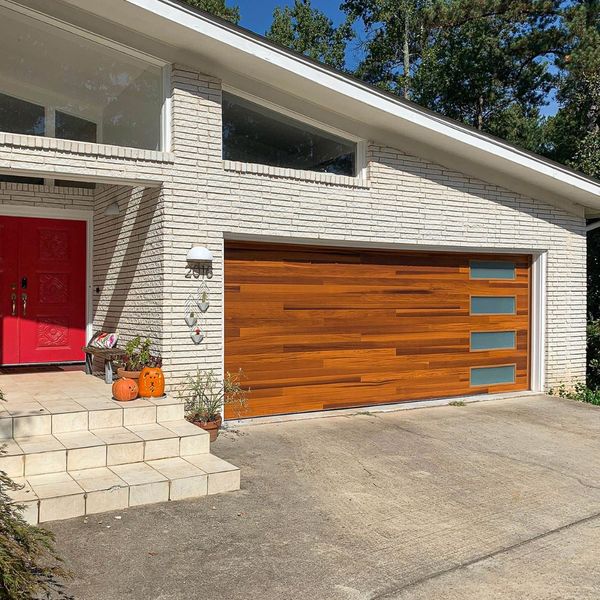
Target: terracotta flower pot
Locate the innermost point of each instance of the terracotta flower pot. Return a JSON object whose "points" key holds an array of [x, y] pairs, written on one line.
{"points": [[211, 426], [121, 372]]}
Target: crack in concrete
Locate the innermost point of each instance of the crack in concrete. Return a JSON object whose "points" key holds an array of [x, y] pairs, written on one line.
{"points": [[393, 591]]}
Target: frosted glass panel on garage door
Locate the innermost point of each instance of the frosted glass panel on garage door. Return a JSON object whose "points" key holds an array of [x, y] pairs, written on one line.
{"points": [[493, 305], [492, 375]]}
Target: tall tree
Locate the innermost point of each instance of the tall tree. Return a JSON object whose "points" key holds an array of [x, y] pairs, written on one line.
{"points": [[479, 62], [575, 130], [218, 8], [311, 32], [397, 37]]}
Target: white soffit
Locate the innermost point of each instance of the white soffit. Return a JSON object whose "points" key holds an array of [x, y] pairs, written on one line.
{"points": [[234, 54]]}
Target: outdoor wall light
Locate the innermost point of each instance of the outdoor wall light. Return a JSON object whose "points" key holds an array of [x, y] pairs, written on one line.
{"points": [[112, 210], [199, 259], [199, 254]]}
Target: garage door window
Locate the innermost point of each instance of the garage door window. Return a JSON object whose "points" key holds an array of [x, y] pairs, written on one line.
{"points": [[492, 375], [493, 305], [493, 269], [492, 340]]}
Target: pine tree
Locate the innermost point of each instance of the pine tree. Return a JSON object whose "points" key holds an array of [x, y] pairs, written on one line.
{"points": [[309, 31], [478, 62], [218, 8], [575, 130]]}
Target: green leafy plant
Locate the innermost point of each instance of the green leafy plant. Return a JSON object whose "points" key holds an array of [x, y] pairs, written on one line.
{"points": [[457, 403], [593, 354], [138, 355], [580, 392], [205, 394], [29, 565]]}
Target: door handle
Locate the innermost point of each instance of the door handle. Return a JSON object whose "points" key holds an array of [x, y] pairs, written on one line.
{"points": [[13, 298], [24, 300]]}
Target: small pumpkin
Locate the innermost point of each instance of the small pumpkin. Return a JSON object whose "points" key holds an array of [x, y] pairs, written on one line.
{"points": [[152, 382], [125, 390]]}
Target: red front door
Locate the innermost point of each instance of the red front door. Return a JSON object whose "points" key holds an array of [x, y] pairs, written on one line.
{"points": [[42, 287]]}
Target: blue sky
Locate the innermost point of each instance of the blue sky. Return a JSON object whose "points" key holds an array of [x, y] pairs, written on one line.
{"points": [[257, 15]]}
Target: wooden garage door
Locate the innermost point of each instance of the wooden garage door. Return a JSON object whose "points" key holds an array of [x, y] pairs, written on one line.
{"points": [[322, 328]]}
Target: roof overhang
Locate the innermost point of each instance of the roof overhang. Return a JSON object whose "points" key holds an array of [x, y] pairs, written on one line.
{"points": [[244, 59]]}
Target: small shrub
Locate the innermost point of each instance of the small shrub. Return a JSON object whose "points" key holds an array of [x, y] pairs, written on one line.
{"points": [[138, 355], [579, 392], [205, 394], [29, 565], [457, 403]]}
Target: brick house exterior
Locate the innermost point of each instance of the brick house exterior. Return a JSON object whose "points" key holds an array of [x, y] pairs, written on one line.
{"points": [[173, 199]]}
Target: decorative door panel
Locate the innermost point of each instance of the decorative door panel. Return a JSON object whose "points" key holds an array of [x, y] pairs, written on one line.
{"points": [[9, 320], [51, 291]]}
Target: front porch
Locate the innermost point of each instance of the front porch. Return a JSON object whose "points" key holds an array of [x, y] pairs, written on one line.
{"points": [[76, 451]]}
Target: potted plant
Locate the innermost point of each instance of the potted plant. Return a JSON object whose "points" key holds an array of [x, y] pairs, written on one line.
{"points": [[204, 303], [137, 356], [191, 319], [205, 395], [196, 335]]}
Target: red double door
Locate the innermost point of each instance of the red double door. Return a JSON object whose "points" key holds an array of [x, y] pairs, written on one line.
{"points": [[42, 290]]}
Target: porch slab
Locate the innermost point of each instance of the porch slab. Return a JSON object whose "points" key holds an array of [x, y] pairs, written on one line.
{"points": [[43, 402]]}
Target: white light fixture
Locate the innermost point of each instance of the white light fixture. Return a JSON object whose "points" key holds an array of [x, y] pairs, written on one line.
{"points": [[199, 254], [112, 210]]}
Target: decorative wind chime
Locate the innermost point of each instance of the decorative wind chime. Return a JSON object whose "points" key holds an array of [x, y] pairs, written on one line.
{"points": [[195, 308]]}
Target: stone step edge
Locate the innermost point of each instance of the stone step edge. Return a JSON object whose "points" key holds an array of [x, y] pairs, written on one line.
{"points": [[190, 440], [44, 422], [217, 476]]}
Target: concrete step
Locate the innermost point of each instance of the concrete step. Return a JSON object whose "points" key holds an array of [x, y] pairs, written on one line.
{"points": [[27, 419], [75, 493], [103, 447]]}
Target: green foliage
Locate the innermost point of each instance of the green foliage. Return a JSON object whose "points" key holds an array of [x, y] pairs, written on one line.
{"points": [[579, 392], [457, 403], [398, 39], [29, 565], [593, 274], [205, 394], [218, 8], [585, 95], [138, 355], [478, 62], [574, 130], [593, 354], [309, 31]]}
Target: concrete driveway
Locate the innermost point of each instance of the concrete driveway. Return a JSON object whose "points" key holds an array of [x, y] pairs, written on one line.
{"points": [[499, 499]]}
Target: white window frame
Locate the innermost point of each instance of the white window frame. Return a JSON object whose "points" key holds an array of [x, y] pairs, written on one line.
{"points": [[361, 144], [165, 113]]}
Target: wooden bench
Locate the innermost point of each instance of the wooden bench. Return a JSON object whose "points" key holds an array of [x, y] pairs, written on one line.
{"points": [[106, 354]]}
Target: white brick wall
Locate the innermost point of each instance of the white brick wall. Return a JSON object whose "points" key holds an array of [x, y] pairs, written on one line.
{"points": [[408, 202], [128, 268], [140, 256], [20, 195]]}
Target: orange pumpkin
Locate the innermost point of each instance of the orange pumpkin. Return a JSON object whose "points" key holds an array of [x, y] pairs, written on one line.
{"points": [[125, 390], [152, 382]]}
